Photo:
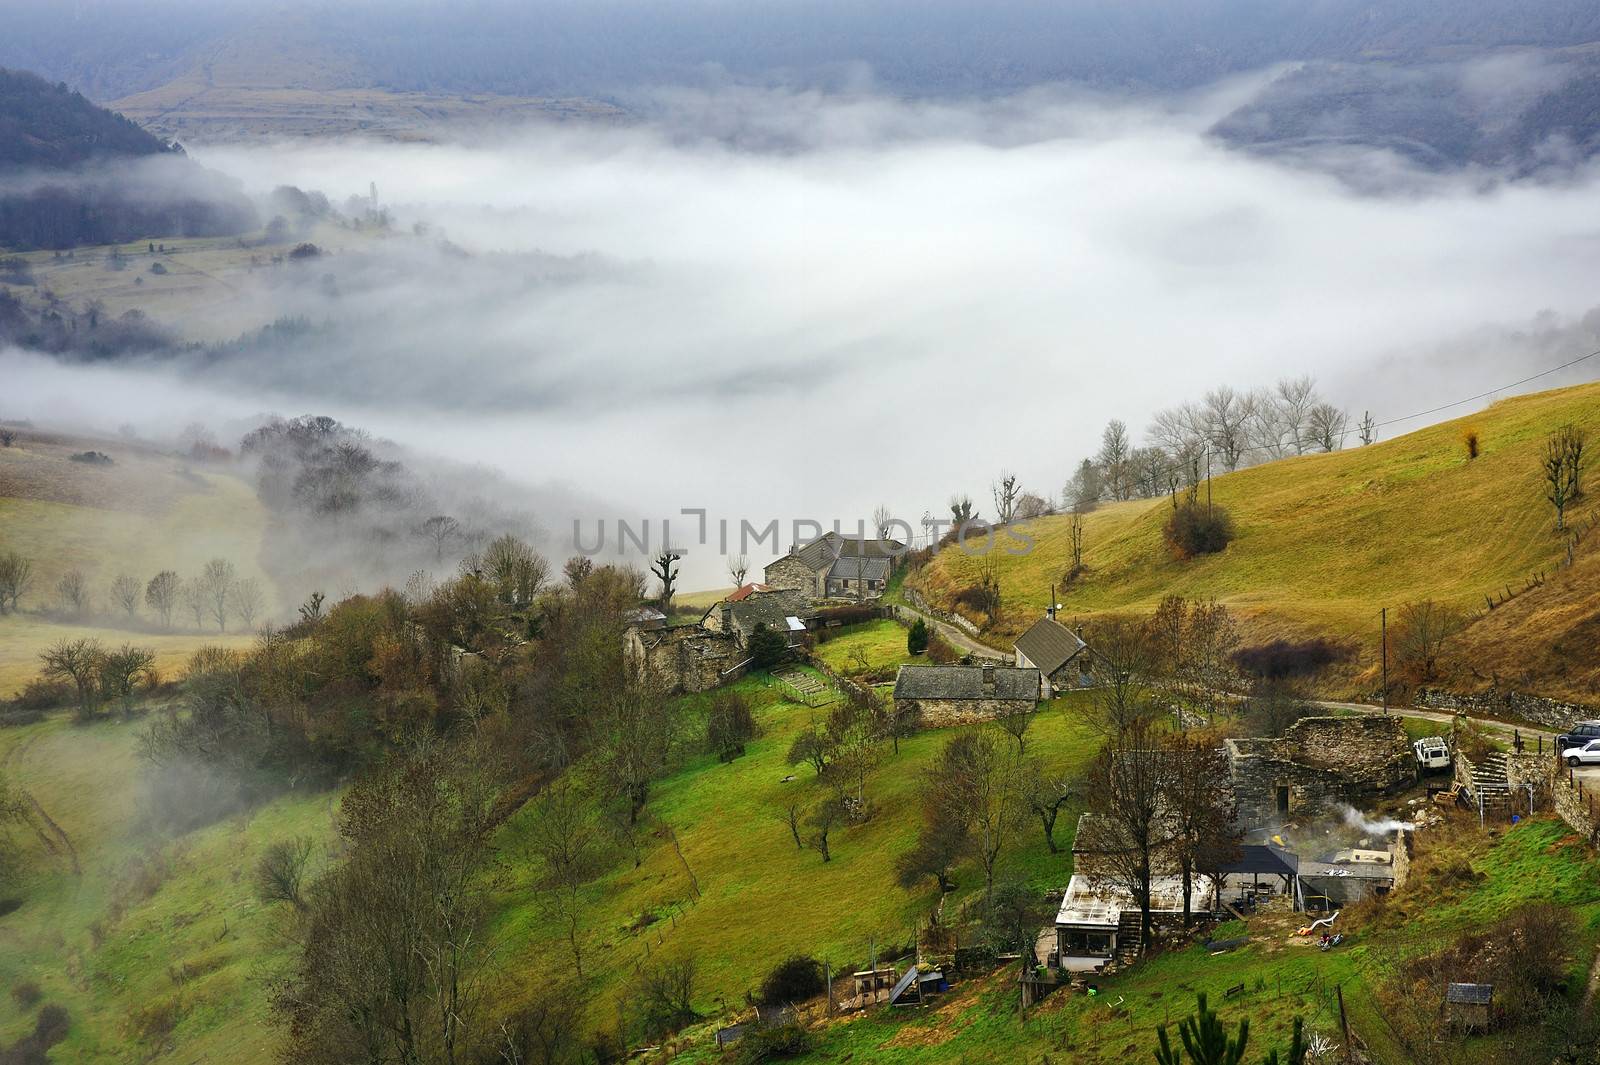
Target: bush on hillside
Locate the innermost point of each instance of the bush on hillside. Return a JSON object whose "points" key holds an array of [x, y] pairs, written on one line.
{"points": [[1281, 659], [1194, 529], [767, 648], [767, 1043], [796, 979], [1471, 441], [846, 615], [42, 694], [729, 725], [940, 650]]}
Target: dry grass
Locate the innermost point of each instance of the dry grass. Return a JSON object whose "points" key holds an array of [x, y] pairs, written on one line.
{"points": [[1325, 540]]}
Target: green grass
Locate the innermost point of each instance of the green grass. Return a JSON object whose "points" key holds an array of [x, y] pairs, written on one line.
{"points": [[880, 644], [154, 925], [1324, 540]]}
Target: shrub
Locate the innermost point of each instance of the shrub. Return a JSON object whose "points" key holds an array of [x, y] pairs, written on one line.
{"points": [[157, 268], [305, 251], [786, 1040], [93, 458], [982, 598], [940, 651], [729, 725], [846, 615], [917, 638], [1471, 441], [797, 978], [767, 648], [1282, 659], [1193, 530], [42, 694], [26, 994]]}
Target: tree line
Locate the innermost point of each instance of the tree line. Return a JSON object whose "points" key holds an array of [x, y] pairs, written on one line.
{"points": [[217, 595]]}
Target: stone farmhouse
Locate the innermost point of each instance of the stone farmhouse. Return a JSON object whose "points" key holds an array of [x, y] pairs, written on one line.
{"points": [[964, 695], [836, 567], [1060, 656]]}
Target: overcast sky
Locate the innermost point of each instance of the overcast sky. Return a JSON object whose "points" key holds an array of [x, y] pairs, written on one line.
{"points": [[832, 303]]}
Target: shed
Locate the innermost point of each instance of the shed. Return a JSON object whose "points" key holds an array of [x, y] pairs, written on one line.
{"points": [[1258, 871], [1470, 1005], [1056, 652], [964, 695]]}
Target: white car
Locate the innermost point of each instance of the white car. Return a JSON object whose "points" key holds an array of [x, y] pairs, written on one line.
{"points": [[1588, 754], [1432, 752]]}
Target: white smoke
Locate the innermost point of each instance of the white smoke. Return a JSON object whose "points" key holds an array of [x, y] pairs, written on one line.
{"points": [[1366, 825]]}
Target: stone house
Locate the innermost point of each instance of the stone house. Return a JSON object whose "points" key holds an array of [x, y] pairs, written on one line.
{"points": [[1061, 658], [779, 609], [1317, 764], [712, 618], [964, 695], [836, 566]]}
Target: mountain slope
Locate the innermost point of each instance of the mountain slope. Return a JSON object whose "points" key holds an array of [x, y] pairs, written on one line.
{"points": [[1325, 541], [50, 126]]}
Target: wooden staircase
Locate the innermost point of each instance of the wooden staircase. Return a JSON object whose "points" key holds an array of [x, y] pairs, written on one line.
{"points": [[1491, 787], [1130, 938]]}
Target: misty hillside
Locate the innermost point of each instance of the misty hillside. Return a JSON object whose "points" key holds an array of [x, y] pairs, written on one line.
{"points": [[51, 126], [72, 183]]}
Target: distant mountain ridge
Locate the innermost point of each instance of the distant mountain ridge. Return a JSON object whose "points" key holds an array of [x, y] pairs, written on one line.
{"points": [[53, 127]]}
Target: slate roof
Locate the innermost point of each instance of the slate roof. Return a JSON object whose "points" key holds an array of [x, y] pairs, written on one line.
{"points": [[1470, 994], [772, 608], [1049, 645], [966, 682], [821, 553], [857, 568], [1259, 859]]}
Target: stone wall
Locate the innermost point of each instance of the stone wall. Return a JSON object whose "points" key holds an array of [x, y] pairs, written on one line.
{"points": [[1577, 805], [1495, 702], [916, 599], [944, 713], [1322, 761]]}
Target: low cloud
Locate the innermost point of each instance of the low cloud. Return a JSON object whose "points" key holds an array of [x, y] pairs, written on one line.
{"points": [[793, 305]]}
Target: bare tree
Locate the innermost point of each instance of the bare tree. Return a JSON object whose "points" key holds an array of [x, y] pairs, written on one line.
{"points": [[738, 568], [979, 783], [73, 591], [1295, 398], [577, 570], [122, 670], [1563, 469], [1115, 459], [1005, 492], [161, 595], [961, 511], [1076, 532], [562, 836], [882, 521], [822, 820], [665, 568], [216, 583], [1367, 429], [1200, 810], [77, 661], [1015, 724], [1125, 667], [517, 571], [1327, 426], [16, 576], [125, 592], [1225, 416], [192, 593], [1046, 795], [1126, 837], [281, 871], [1422, 636], [247, 600], [441, 531]]}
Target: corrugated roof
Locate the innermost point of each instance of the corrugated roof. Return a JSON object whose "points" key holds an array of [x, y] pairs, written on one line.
{"points": [[1254, 858], [1049, 644], [966, 682], [1470, 994], [745, 592]]}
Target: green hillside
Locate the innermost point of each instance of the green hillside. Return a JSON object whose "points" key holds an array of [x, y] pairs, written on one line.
{"points": [[1323, 541]]}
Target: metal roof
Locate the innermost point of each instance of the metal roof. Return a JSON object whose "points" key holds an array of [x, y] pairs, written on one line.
{"points": [[1470, 994], [856, 567], [1254, 858], [1049, 645], [967, 682]]}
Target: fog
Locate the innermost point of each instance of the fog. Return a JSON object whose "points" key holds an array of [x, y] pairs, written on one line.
{"points": [[792, 305]]}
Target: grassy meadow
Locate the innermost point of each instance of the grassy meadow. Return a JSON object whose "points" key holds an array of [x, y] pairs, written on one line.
{"points": [[147, 512], [1323, 541]]}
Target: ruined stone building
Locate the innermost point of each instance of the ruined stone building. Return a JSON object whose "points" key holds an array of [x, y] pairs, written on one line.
{"points": [[683, 658], [1318, 763]]}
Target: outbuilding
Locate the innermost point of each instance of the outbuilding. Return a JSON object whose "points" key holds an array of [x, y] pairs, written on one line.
{"points": [[964, 695]]}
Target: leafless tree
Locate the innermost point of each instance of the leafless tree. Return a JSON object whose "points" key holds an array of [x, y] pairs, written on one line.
{"points": [[1563, 469], [441, 530], [192, 593], [961, 511], [1005, 493], [73, 591], [281, 871], [77, 661], [1367, 428], [1076, 532], [1126, 838], [216, 583], [829, 813], [248, 600], [1295, 398], [882, 520], [161, 595], [1015, 723], [16, 576], [1422, 635], [517, 571], [738, 568], [1226, 416], [562, 835], [125, 592], [577, 569], [1116, 449], [1200, 810], [1046, 794], [1126, 668], [979, 784], [665, 568], [122, 670], [1327, 427]]}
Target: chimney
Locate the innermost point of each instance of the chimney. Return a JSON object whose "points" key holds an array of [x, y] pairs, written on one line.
{"points": [[988, 678], [1050, 611]]}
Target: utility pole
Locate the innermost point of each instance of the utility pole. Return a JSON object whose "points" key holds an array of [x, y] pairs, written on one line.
{"points": [[1208, 484], [1384, 615]]}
